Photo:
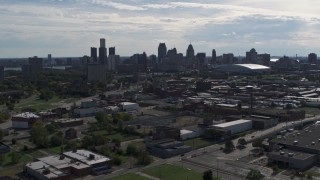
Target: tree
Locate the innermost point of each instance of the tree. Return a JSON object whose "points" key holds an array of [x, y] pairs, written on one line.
{"points": [[229, 146], [257, 143], [39, 134], [1, 134], [46, 94], [254, 175], [15, 157], [207, 175], [13, 141], [56, 139], [51, 128], [144, 158], [117, 160], [242, 141], [131, 150]]}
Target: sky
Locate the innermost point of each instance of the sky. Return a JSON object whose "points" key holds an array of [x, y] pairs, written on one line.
{"points": [[70, 27]]}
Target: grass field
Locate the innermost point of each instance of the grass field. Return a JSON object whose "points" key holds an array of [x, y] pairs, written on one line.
{"points": [[172, 172], [35, 103], [54, 150], [130, 176], [7, 159], [197, 143], [122, 137], [311, 110]]}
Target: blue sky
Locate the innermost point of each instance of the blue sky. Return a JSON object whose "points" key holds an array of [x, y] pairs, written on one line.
{"points": [[71, 27]]}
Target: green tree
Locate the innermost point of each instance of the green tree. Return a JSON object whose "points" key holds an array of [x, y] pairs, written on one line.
{"points": [[207, 175], [1, 134], [229, 146], [56, 139], [254, 175], [51, 128], [46, 94], [117, 160], [144, 158], [257, 143], [131, 150], [39, 134], [242, 141], [15, 157]]}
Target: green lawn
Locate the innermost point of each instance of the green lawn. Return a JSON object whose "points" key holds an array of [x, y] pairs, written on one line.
{"points": [[36, 103], [197, 143], [312, 110], [54, 150], [172, 172], [7, 159], [11, 171], [130, 176], [120, 136]]}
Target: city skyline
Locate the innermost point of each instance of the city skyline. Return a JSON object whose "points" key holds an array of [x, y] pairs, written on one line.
{"points": [[68, 27]]}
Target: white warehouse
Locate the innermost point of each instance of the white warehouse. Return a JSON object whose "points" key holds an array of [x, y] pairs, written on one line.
{"points": [[129, 106], [235, 126]]}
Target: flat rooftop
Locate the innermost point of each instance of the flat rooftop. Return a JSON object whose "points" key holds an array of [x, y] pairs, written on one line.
{"points": [[40, 167], [232, 123], [61, 163], [292, 154], [306, 138], [84, 157], [26, 115]]}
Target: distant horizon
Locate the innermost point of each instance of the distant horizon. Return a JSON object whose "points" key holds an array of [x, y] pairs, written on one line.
{"points": [[66, 28]]}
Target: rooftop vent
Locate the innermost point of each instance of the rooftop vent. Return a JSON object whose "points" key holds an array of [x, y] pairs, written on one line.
{"points": [[282, 153], [290, 154], [91, 156], [295, 142], [313, 143], [299, 134], [61, 157]]}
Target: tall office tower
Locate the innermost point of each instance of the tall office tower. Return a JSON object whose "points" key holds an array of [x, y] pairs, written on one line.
{"points": [[162, 52], [36, 65], [264, 59], [201, 58], [172, 52], [113, 62], [102, 42], [252, 56], [94, 55], [1, 73], [112, 51], [50, 60], [190, 51], [102, 51], [214, 57], [312, 58], [144, 62], [227, 58]]}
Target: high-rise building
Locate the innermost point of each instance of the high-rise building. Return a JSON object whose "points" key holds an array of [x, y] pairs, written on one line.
{"points": [[190, 51], [264, 59], [172, 52], [102, 42], [96, 73], [252, 56], [36, 65], [1, 73], [113, 62], [312, 58], [144, 62], [102, 51], [112, 51], [201, 58], [94, 54], [214, 57], [50, 60], [227, 58], [162, 52]]}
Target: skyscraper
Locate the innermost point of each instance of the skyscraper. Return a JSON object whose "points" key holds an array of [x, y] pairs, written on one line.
{"points": [[190, 51], [144, 62], [50, 60], [1, 73], [112, 51], [102, 51], [312, 58], [201, 58], [252, 56], [214, 57], [94, 55], [162, 52], [36, 65]]}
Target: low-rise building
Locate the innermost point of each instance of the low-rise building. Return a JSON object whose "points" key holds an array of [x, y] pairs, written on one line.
{"points": [[24, 120], [235, 126], [166, 148], [68, 165]]}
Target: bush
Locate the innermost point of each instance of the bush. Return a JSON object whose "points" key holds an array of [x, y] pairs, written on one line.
{"points": [[131, 150], [117, 160], [13, 141]]}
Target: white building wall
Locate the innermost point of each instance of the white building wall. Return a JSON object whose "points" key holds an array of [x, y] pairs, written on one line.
{"points": [[20, 125]]}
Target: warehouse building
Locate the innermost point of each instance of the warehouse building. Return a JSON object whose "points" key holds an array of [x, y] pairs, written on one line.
{"points": [[68, 165], [234, 126], [299, 150], [24, 120]]}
